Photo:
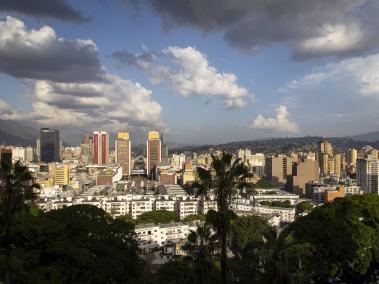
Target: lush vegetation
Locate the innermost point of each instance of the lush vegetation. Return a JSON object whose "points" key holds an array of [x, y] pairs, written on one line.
{"points": [[335, 243], [222, 178], [304, 207], [195, 217], [263, 183], [283, 204], [77, 244], [158, 216]]}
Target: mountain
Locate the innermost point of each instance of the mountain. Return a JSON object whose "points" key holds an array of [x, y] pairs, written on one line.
{"points": [[369, 137], [14, 133]]}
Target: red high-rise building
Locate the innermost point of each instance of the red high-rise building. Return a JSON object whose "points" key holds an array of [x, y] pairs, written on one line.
{"points": [[100, 147]]}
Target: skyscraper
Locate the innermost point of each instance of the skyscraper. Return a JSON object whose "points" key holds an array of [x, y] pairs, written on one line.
{"points": [[6, 155], [123, 155], [326, 159], [100, 147], [49, 145], [368, 175], [153, 153]]}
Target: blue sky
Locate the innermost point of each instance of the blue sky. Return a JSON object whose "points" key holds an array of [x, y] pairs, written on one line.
{"points": [[332, 90]]}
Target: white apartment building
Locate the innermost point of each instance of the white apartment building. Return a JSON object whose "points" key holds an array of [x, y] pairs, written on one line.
{"points": [[164, 204], [187, 207], [207, 204], [368, 175], [287, 214], [116, 207], [138, 207], [150, 236]]}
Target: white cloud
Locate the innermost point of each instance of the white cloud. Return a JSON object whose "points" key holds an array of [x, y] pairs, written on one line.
{"points": [[68, 86], [332, 39], [188, 72], [280, 123], [360, 75]]}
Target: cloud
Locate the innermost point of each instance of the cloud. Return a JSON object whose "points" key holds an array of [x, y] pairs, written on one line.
{"points": [[115, 103], [280, 123], [58, 9], [188, 72], [359, 75], [313, 28], [40, 54], [73, 91]]}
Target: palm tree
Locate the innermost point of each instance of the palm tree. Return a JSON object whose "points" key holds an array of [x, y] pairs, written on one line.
{"points": [[201, 245], [223, 178], [16, 187]]}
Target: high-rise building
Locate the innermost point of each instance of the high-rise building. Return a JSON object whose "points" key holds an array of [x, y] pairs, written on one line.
{"points": [[368, 175], [277, 168], [302, 172], [49, 145], [100, 148], [351, 156], [326, 160], [337, 164], [29, 154], [86, 150], [153, 153], [123, 152], [6, 155], [59, 173]]}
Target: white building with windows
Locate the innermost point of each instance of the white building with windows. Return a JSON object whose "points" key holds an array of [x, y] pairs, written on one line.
{"points": [[187, 207]]}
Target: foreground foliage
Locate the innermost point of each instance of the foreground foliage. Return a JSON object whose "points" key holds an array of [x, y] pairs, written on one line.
{"points": [[77, 244]]}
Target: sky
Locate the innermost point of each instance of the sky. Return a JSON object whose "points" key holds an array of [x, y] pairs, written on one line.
{"points": [[202, 72]]}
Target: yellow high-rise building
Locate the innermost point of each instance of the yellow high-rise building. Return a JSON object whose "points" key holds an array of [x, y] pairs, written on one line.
{"points": [[59, 174], [352, 155], [123, 152], [153, 153], [337, 164]]}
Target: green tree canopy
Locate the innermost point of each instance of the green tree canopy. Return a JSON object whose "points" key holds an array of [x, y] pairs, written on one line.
{"points": [[158, 216], [195, 217], [304, 206], [77, 244], [339, 240]]}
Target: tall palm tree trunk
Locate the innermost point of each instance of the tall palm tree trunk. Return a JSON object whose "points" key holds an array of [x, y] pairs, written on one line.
{"points": [[7, 259], [223, 255]]}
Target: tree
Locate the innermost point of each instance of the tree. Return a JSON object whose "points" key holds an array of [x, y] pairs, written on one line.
{"points": [[283, 204], [16, 187], [222, 178], [200, 246], [336, 241], [252, 241], [304, 207], [158, 216], [195, 217], [76, 244]]}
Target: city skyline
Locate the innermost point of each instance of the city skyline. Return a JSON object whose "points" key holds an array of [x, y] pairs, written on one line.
{"points": [[199, 79]]}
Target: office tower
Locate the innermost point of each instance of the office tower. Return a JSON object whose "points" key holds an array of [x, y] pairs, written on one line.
{"points": [[153, 153], [49, 145], [277, 168], [123, 152], [19, 154], [372, 153], [337, 164], [86, 150], [326, 160], [368, 175], [6, 155], [29, 154], [164, 151], [100, 148], [60, 174], [302, 172], [86, 139], [351, 156]]}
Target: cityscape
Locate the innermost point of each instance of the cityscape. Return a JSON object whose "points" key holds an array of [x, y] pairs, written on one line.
{"points": [[189, 141]]}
